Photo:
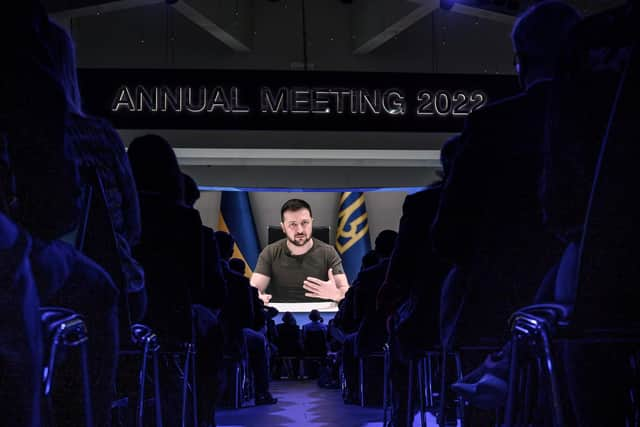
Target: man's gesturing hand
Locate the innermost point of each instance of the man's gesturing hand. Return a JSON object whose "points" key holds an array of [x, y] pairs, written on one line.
{"points": [[322, 289]]}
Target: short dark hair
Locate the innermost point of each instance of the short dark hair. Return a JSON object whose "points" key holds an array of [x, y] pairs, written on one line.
{"points": [[288, 318], [294, 205], [314, 316]]}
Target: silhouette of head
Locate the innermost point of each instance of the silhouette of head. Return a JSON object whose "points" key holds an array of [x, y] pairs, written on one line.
{"points": [[288, 318], [385, 242], [314, 316], [237, 265], [155, 167], [191, 191], [63, 57], [540, 37], [226, 242], [28, 67]]}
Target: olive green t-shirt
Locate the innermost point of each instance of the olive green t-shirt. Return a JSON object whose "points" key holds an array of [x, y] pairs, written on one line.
{"points": [[288, 272]]}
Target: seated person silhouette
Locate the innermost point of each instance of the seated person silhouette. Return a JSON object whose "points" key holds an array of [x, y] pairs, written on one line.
{"points": [[243, 318], [20, 334], [316, 323], [289, 343]]}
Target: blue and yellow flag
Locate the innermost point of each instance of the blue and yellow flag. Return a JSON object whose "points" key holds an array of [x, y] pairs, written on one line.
{"points": [[236, 218], [352, 233]]}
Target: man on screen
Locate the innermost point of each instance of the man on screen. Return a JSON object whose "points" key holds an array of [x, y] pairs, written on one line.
{"points": [[299, 266]]}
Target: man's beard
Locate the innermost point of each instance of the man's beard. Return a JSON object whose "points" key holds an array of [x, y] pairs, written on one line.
{"points": [[298, 243]]}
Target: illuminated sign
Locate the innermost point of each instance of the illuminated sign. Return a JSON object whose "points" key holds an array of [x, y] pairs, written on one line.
{"points": [[201, 99]]}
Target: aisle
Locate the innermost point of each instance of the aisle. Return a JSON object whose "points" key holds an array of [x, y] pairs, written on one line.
{"points": [[303, 403]]}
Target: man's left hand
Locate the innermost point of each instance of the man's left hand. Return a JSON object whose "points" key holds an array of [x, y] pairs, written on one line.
{"points": [[322, 289]]}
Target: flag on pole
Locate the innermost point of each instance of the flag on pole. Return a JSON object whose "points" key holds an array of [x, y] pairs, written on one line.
{"points": [[236, 218], [352, 233]]}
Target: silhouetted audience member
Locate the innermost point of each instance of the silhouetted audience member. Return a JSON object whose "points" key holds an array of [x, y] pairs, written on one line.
{"points": [[67, 278], [210, 337], [271, 330], [167, 224], [385, 242], [32, 117], [98, 146], [215, 288], [315, 323], [410, 294], [372, 333], [361, 329], [45, 179], [333, 343], [20, 331], [171, 252], [369, 260], [493, 228], [382, 249], [582, 140], [289, 344], [595, 60], [242, 317], [289, 336]]}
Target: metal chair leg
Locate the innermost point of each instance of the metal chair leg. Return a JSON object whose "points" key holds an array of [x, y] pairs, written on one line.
{"points": [[558, 419], [421, 392], [634, 410], [156, 387], [194, 386], [387, 385], [361, 380], [430, 367], [48, 374], [185, 386], [142, 377], [88, 409], [236, 391], [461, 402], [443, 390], [527, 392], [410, 394], [509, 412]]}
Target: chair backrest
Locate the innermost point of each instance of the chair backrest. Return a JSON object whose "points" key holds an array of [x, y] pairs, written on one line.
{"points": [[609, 272], [315, 343], [288, 340]]}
